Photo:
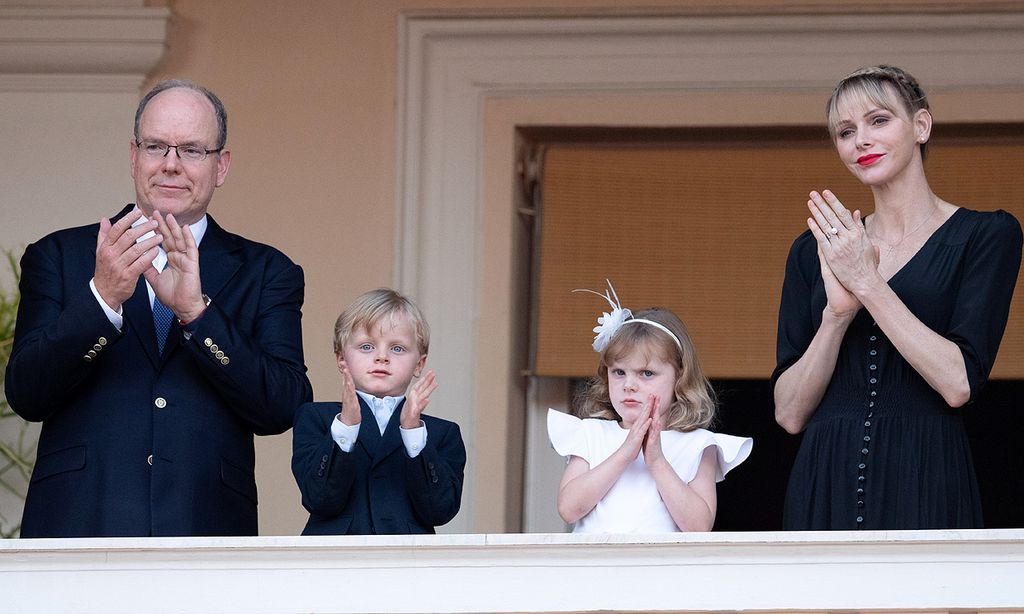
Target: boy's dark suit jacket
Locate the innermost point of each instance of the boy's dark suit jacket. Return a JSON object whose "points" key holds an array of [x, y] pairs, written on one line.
{"points": [[375, 488], [136, 443]]}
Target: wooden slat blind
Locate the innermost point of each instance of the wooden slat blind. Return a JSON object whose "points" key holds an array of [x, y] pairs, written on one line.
{"points": [[704, 229]]}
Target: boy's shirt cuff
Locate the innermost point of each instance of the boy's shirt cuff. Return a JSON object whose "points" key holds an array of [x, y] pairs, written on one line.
{"points": [[414, 439], [345, 436]]}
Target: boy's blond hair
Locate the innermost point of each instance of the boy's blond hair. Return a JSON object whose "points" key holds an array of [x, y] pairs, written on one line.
{"points": [[372, 308]]}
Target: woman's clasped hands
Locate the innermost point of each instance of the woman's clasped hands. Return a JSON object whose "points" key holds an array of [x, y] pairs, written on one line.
{"points": [[849, 261]]}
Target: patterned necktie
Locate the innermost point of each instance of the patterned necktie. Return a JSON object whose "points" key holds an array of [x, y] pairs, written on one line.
{"points": [[162, 317]]}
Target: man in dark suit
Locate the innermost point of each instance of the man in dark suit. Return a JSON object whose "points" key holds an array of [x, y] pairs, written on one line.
{"points": [[154, 345]]}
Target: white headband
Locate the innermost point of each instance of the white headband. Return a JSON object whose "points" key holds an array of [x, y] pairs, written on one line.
{"points": [[610, 323]]}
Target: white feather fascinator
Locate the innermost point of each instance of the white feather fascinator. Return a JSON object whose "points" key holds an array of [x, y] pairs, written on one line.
{"points": [[609, 323]]}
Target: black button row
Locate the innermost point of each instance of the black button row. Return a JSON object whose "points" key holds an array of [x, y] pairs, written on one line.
{"points": [[869, 413]]}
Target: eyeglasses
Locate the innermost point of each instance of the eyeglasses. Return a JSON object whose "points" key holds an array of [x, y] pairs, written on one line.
{"points": [[186, 153]]}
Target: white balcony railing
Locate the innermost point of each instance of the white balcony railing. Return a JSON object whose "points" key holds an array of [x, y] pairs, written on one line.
{"points": [[929, 571]]}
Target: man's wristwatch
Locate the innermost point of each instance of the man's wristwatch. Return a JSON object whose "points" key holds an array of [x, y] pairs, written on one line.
{"points": [[207, 301]]}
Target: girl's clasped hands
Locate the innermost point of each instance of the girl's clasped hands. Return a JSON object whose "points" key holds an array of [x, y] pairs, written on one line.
{"points": [[645, 433]]}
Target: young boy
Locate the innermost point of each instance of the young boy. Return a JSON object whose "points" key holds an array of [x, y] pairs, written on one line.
{"points": [[374, 464]]}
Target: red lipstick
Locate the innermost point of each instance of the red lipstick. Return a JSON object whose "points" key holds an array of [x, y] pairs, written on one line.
{"points": [[869, 159]]}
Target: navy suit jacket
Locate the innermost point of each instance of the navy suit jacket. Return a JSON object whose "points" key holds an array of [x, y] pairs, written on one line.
{"points": [[136, 443], [375, 488]]}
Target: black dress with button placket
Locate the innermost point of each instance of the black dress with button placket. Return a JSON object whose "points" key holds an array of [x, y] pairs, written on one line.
{"points": [[883, 450]]}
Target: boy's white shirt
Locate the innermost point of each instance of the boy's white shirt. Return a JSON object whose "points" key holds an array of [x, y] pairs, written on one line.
{"points": [[345, 436]]}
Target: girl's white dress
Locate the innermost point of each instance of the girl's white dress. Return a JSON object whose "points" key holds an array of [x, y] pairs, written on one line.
{"points": [[633, 504]]}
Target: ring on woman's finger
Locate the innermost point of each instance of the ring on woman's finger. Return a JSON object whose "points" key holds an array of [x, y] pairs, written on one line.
{"points": [[833, 231]]}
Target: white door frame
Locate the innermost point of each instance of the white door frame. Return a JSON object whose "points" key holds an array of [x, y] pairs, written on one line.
{"points": [[451, 70]]}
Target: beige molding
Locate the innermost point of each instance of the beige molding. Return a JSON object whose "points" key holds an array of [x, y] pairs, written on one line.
{"points": [[80, 49], [734, 8]]}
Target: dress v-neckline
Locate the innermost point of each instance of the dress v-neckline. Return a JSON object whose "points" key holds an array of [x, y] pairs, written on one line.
{"points": [[927, 243]]}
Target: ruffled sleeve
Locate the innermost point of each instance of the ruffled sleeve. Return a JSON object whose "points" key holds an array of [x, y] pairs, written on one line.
{"points": [[567, 434], [732, 451], [684, 451]]}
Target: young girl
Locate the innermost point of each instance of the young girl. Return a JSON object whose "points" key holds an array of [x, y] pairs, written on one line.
{"points": [[640, 460]]}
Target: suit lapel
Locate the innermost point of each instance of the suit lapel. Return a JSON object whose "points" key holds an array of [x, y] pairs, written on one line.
{"points": [[392, 439], [218, 263], [138, 315], [123, 212], [218, 259], [369, 434], [375, 445]]}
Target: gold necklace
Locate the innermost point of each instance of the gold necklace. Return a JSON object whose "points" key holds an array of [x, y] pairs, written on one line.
{"points": [[892, 246]]}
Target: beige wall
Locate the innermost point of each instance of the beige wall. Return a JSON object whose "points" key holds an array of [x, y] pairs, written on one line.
{"points": [[311, 92], [310, 88]]}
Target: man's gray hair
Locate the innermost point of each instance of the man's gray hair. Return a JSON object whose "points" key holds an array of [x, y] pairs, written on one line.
{"points": [[170, 84]]}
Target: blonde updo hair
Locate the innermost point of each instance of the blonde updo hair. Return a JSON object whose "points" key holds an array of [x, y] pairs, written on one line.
{"points": [[883, 86], [694, 405]]}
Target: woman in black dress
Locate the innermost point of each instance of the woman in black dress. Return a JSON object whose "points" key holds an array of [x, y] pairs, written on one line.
{"points": [[889, 325]]}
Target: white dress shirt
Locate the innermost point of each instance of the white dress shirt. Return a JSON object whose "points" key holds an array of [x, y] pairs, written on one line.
{"points": [[345, 436]]}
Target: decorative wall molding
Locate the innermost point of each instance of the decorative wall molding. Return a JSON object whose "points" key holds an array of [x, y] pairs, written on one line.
{"points": [[974, 571], [450, 67], [80, 49]]}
